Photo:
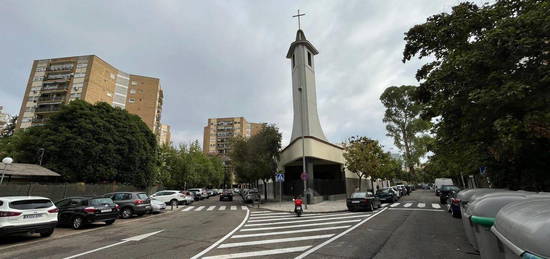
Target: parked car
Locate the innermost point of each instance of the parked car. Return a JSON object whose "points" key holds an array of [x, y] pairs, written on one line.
{"points": [[439, 182], [210, 193], [386, 195], [362, 200], [402, 189], [27, 214], [131, 203], [445, 191], [170, 197], [397, 192], [199, 193], [189, 197], [80, 211], [251, 196], [157, 206], [226, 195]]}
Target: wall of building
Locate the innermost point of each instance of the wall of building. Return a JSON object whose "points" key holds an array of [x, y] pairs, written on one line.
{"points": [[143, 99]]}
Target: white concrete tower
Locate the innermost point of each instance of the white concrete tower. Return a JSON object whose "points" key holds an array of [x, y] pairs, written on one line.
{"points": [[301, 53]]}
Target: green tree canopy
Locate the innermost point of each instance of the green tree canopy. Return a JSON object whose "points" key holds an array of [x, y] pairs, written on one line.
{"points": [[488, 88], [365, 157], [403, 123], [92, 143]]}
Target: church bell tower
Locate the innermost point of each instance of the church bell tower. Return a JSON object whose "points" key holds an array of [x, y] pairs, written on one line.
{"points": [[306, 119]]}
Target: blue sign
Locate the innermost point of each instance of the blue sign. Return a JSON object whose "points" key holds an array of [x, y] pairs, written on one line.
{"points": [[279, 177]]}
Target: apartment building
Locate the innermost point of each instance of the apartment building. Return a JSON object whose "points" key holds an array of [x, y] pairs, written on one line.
{"points": [[4, 118], [219, 131], [57, 81], [165, 137]]}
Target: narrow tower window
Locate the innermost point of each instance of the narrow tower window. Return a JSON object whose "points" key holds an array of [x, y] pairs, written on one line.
{"points": [[293, 62], [309, 58]]}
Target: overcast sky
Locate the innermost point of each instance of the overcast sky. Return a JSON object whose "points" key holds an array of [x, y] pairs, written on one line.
{"points": [[226, 58]]}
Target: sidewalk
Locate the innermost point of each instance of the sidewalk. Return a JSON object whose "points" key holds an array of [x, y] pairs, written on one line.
{"points": [[288, 206]]}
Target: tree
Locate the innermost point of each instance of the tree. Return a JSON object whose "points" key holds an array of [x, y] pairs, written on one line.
{"points": [[364, 157], [403, 123], [93, 143], [9, 129], [487, 86]]}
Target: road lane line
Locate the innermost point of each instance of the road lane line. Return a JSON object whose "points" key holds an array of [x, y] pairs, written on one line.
{"points": [[290, 232], [97, 249], [211, 208], [233, 207], [301, 226], [384, 205], [395, 204], [338, 236], [188, 208], [284, 216], [270, 214], [436, 206], [415, 209], [260, 253], [408, 204], [421, 205], [222, 207], [223, 238], [244, 207], [273, 241], [199, 208], [306, 221], [298, 218]]}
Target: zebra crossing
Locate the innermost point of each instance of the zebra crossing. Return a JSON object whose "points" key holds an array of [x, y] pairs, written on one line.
{"points": [[270, 233], [213, 208], [412, 205]]}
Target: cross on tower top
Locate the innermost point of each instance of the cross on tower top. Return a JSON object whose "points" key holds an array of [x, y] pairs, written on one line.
{"points": [[298, 15]]}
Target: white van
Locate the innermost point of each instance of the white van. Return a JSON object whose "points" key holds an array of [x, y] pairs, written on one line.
{"points": [[440, 182]]}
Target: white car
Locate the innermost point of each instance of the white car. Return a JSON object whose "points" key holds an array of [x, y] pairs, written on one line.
{"points": [[170, 197], [27, 214], [157, 206], [397, 192]]}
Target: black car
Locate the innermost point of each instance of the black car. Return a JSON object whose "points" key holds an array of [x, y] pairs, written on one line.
{"points": [[363, 200], [79, 211], [386, 195], [131, 203], [445, 191], [226, 195]]}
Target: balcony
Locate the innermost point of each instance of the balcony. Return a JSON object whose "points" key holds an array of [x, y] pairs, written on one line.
{"points": [[47, 109], [54, 88], [39, 121], [51, 99]]}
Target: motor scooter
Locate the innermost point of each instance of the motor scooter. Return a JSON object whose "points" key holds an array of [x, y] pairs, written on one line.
{"points": [[298, 207]]}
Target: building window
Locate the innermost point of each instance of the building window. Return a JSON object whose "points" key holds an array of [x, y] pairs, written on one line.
{"points": [[309, 58], [293, 62], [134, 83], [131, 100], [132, 91]]}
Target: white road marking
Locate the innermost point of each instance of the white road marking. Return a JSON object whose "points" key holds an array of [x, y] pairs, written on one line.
{"points": [[270, 214], [260, 253], [415, 209], [421, 205], [338, 236], [135, 238], [222, 208], [306, 221], [290, 232], [435, 205], [272, 241], [244, 208], [384, 205], [223, 238], [297, 218], [211, 208], [301, 226], [261, 211], [408, 204], [395, 204], [188, 208], [233, 207], [288, 215], [199, 208]]}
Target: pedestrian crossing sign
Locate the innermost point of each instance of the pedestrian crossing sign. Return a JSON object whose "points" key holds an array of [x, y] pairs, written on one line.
{"points": [[279, 177]]}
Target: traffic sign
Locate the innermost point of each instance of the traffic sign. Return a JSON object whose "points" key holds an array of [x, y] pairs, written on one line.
{"points": [[304, 176], [279, 177]]}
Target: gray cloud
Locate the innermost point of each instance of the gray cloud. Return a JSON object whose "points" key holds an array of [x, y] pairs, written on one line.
{"points": [[226, 58]]}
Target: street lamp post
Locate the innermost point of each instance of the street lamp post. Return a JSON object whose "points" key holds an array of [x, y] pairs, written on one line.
{"points": [[6, 161], [303, 148]]}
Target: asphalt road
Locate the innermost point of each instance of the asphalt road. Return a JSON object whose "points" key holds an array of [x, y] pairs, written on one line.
{"points": [[414, 227]]}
